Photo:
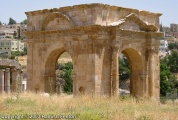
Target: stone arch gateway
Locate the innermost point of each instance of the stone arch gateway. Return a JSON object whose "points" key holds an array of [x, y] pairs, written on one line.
{"points": [[94, 35]]}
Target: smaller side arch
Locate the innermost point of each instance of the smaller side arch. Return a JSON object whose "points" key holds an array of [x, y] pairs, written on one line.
{"points": [[50, 68], [135, 60]]}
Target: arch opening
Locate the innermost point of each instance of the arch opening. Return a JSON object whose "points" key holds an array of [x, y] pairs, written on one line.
{"points": [[130, 73], [58, 70], [124, 75]]}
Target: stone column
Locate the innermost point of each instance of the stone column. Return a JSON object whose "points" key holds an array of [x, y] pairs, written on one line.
{"points": [[2, 80], [20, 81], [15, 78], [114, 72], [7, 80]]}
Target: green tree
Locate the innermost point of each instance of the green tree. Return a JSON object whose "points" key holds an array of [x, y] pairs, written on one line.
{"points": [[0, 23], [8, 37], [168, 82], [165, 75], [173, 61], [124, 69], [25, 51], [67, 75], [16, 53], [172, 46], [12, 57], [24, 22], [11, 21]]}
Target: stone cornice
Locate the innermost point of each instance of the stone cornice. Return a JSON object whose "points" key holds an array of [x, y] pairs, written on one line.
{"points": [[87, 28], [91, 31], [84, 6], [153, 34]]}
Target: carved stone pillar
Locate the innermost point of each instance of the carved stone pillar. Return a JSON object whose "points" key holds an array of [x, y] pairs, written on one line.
{"points": [[7, 80], [114, 72], [2, 80], [15, 79]]}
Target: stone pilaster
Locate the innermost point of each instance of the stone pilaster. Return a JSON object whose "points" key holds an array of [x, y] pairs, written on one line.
{"points": [[114, 71], [74, 82], [143, 77], [151, 72], [2, 80], [7, 80]]}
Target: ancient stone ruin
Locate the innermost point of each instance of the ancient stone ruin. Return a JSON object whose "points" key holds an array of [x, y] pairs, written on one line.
{"points": [[10, 76], [94, 35]]}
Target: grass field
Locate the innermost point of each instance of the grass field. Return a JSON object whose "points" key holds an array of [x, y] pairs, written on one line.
{"points": [[85, 108]]}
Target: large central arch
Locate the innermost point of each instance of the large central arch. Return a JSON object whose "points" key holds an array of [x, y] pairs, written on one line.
{"points": [[94, 35]]}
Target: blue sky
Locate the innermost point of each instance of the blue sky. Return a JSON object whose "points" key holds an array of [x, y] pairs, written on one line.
{"points": [[16, 8]]}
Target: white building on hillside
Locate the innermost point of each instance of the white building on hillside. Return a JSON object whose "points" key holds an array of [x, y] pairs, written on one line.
{"points": [[16, 30], [10, 45], [6, 34], [163, 48]]}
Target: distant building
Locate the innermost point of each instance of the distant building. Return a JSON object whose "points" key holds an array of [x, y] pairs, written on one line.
{"points": [[23, 28], [165, 29], [6, 34], [163, 48], [17, 30], [170, 33], [13, 26], [174, 27], [10, 45]]}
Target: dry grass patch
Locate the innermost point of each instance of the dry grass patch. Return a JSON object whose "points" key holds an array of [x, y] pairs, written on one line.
{"points": [[88, 108]]}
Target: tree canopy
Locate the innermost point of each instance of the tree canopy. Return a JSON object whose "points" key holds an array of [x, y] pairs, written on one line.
{"points": [[11, 21], [172, 46], [173, 61], [0, 23], [24, 22], [124, 69], [168, 82], [67, 75]]}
